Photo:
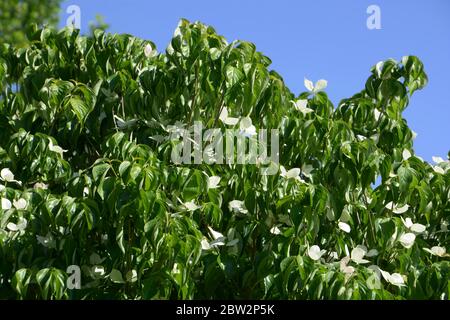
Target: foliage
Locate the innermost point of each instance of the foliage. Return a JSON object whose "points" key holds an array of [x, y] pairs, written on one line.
{"points": [[361, 218], [16, 15]]}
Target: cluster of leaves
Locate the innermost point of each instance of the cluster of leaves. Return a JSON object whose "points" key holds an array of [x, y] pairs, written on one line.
{"points": [[87, 179], [16, 15]]}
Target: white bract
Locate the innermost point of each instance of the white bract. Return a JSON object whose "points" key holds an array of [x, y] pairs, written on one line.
{"points": [[395, 279], [190, 206], [213, 182], [98, 271], [7, 176], [315, 253], [439, 170], [293, 173], [56, 149], [20, 204], [344, 267], [246, 127], [275, 230], [414, 227], [437, 251], [6, 204], [407, 239], [205, 244], [358, 254], [40, 185], [148, 51], [226, 119], [438, 160], [301, 105], [131, 276], [21, 225], [344, 227], [218, 240], [406, 154], [237, 206], [396, 209], [319, 86]]}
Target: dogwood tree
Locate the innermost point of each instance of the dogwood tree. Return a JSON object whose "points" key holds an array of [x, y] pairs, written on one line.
{"points": [[87, 129]]}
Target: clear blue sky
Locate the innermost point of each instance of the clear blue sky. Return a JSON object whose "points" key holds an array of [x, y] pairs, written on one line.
{"points": [[316, 39]]}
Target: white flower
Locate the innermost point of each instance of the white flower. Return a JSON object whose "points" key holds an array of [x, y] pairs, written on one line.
{"points": [[227, 120], [438, 169], [205, 244], [406, 154], [247, 129], [7, 176], [219, 239], [275, 230], [116, 276], [21, 225], [131, 276], [2, 188], [377, 114], [213, 182], [344, 227], [438, 160], [237, 206], [396, 279], [293, 173], [191, 206], [98, 271], [418, 228], [56, 149], [301, 105], [216, 235], [20, 204], [395, 209], [407, 239], [407, 222], [315, 253], [39, 185], [148, 51], [358, 254], [344, 267], [47, 241], [175, 269], [414, 227], [6, 204], [320, 85], [437, 251]]}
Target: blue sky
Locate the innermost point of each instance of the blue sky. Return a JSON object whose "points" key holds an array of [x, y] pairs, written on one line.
{"points": [[315, 39]]}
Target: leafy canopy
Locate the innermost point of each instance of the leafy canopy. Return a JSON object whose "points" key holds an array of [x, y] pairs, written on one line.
{"points": [[85, 181]]}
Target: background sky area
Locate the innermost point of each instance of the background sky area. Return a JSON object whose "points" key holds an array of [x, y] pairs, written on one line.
{"points": [[317, 39]]}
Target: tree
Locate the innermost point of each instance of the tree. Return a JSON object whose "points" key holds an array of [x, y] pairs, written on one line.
{"points": [[17, 15], [87, 177]]}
